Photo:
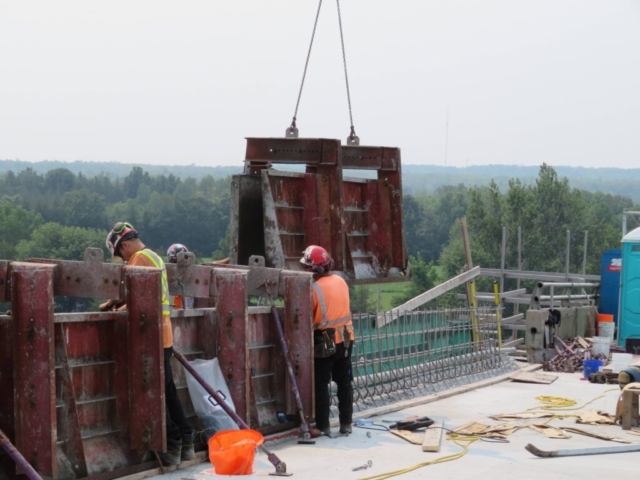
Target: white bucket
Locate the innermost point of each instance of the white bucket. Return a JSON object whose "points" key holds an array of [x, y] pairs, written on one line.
{"points": [[210, 474], [620, 361], [601, 346], [606, 329]]}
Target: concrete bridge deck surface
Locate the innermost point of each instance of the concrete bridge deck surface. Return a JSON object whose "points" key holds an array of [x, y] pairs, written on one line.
{"points": [[334, 458]]}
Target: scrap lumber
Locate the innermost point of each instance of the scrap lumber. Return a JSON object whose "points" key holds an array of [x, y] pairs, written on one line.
{"points": [[432, 438], [526, 377]]}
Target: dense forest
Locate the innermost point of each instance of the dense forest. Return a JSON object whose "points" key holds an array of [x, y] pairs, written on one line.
{"points": [[58, 213]]}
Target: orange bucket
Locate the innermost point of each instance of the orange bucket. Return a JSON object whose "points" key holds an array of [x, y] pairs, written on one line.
{"points": [[231, 451], [605, 317]]}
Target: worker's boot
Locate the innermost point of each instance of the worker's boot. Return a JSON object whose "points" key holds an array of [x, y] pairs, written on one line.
{"points": [[187, 453], [345, 429], [172, 455]]}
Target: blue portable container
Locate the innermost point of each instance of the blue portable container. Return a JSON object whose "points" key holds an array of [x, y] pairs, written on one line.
{"points": [[610, 282], [629, 318]]}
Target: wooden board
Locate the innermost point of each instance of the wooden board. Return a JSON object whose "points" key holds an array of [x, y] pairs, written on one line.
{"points": [[432, 438], [526, 377], [411, 437]]}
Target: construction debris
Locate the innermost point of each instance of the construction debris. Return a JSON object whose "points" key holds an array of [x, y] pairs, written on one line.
{"points": [[581, 451], [570, 357], [600, 436], [595, 418]]}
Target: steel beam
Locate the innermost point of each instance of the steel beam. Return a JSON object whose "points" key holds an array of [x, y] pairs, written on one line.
{"points": [[34, 366], [5, 281], [231, 322], [146, 359], [90, 278], [298, 329]]}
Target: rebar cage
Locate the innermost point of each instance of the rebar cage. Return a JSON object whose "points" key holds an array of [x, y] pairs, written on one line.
{"points": [[422, 352]]}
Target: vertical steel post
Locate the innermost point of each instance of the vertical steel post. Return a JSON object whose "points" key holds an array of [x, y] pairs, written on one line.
{"points": [[232, 324], [584, 256], [298, 326], [503, 254], [34, 365], [147, 425], [568, 253]]}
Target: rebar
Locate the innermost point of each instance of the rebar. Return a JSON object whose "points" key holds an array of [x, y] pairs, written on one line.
{"points": [[422, 351]]}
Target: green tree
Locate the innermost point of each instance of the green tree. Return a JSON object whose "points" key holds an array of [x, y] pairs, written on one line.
{"points": [[82, 208], [424, 276], [362, 299], [52, 240], [16, 224]]}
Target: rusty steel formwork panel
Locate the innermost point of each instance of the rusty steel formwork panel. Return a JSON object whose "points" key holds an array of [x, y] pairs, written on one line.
{"points": [[276, 214], [92, 382]]}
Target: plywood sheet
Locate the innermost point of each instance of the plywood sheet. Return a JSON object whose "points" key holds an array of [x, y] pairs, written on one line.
{"points": [[526, 377]]}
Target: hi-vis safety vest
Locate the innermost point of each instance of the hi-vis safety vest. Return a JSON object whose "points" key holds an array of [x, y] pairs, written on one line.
{"points": [[158, 263], [331, 306]]}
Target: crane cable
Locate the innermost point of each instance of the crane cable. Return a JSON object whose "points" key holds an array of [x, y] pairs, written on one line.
{"points": [[292, 130]]}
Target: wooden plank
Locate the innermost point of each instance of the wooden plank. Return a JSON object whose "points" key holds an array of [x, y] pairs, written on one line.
{"points": [[410, 437], [542, 378], [513, 319], [432, 438], [427, 296], [513, 343]]}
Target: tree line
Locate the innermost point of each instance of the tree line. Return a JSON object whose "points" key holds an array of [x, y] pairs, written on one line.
{"points": [[59, 213]]}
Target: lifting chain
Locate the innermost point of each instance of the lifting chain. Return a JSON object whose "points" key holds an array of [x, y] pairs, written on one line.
{"points": [[292, 130]]}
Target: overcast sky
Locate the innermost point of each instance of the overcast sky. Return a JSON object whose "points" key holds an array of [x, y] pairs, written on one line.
{"points": [[523, 81]]}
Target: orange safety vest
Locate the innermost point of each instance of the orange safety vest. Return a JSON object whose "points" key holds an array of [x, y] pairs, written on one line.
{"points": [[331, 306]]}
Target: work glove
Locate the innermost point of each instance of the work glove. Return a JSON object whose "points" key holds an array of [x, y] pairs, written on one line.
{"points": [[110, 305]]}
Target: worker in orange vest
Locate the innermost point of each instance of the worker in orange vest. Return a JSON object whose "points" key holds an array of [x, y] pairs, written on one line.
{"points": [[123, 242], [333, 338]]}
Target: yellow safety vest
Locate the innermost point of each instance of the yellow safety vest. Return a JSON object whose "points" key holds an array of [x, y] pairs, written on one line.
{"points": [[158, 263]]}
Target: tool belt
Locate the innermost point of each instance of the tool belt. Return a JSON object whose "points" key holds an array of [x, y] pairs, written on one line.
{"points": [[324, 342]]}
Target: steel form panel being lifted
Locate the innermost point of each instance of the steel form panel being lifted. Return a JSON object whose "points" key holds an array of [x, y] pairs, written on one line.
{"points": [[83, 393], [277, 214]]}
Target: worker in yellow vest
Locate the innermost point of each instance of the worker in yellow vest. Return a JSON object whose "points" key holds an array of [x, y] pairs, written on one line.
{"points": [[123, 242], [333, 338]]}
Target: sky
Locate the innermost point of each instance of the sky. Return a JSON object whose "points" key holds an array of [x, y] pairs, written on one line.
{"points": [[450, 82]]}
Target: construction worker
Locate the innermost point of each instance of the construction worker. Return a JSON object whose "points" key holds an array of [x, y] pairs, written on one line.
{"points": [[333, 338], [172, 257], [123, 242]]}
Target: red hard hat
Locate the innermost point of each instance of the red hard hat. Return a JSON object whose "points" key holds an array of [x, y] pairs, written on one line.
{"points": [[315, 256]]}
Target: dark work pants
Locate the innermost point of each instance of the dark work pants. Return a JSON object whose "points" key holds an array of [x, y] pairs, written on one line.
{"points": [[177, 425], [338, 368]]}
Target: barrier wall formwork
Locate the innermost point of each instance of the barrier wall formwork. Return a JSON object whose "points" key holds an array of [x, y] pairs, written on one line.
{"points": [[277, 214], [82, 394]]}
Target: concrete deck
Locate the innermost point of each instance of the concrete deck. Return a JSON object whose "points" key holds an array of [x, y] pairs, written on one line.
{"points": [[335, 458]]}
